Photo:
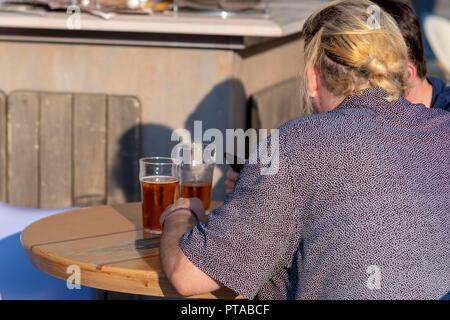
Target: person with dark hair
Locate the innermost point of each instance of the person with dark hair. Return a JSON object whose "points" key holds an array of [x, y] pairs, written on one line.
{"points": [[430, 91]]}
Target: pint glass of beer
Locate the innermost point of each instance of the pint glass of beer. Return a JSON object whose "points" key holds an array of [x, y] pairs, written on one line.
{"points": [[197, 173], [159, 178]]}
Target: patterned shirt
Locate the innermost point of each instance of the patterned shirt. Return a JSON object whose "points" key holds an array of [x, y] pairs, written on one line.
{"points": [[359, 209]]}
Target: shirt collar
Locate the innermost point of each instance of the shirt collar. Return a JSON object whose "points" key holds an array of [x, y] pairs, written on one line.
{"points": [[374, 98]]}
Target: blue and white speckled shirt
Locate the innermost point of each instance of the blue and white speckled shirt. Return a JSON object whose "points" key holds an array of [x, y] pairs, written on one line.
{"points": [[359, 209]]}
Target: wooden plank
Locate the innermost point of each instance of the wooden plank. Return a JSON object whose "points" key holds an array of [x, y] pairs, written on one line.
{"points": [[3, 163], [107, 249], [107, 219], [89, 149], [55, 150], [23, 149], [124, 149]]}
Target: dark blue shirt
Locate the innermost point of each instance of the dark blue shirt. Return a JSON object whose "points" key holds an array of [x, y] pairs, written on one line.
{"points": [[441, 94]]}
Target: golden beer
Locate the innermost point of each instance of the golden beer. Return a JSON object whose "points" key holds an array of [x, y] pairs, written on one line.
{"points": [[158, 192], [197, 189]]}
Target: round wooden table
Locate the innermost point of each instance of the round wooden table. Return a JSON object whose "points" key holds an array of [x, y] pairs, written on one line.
{"points": [[109, 246]]}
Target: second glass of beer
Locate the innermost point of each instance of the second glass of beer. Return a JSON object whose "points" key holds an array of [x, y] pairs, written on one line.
{"points": [[159, 189], [197, 173]]}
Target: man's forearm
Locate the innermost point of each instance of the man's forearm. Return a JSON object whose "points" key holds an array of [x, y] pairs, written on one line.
{"points": [[182, 273], [174, 227]]}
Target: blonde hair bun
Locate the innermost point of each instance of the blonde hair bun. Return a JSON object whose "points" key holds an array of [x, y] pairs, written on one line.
{"points": [[350, 53], [376, 67]]}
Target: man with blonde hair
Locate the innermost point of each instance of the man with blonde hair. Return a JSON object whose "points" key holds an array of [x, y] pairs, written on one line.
{"points": [[428, 90], [352, 212]]}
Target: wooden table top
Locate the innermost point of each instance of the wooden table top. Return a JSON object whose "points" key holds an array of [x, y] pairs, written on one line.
{"points": [[109, 246]]}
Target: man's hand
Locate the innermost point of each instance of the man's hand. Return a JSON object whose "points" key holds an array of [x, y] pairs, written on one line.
{"points": [[231, 180], [175, 209]]}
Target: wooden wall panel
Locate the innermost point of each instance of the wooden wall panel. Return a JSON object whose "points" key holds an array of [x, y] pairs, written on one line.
{"points": [[61, 149], [89, 149], [55, 150], [23, 149], [124, 149]]}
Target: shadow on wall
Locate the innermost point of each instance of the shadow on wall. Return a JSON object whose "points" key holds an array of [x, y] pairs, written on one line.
{"points": [[220, 108], [126, 166]]}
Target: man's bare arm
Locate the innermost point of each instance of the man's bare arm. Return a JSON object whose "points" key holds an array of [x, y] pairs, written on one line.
{"points": [[182, 273]]}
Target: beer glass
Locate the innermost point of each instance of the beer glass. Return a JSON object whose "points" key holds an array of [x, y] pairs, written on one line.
{"points": [[197, 172], [159, 177]]}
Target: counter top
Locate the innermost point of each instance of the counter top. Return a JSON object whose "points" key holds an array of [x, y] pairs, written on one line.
{"points": [[286, 18]]}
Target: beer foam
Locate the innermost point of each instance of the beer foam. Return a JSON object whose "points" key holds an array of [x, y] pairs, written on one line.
{"points": [[159, 179]]}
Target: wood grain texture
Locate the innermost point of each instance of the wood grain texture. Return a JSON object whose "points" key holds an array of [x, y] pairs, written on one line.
{"points": [[23, 149], [68, 150], [124, 148], [109, 246], [55, 150], [89, 154], [3, 163]]}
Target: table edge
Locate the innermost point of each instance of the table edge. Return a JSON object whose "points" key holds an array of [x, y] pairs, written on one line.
{"points": [[126, 280]]}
